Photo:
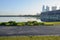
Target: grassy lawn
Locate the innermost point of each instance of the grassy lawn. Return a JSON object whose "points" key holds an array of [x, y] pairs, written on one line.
{"points": [[54, 23], [29, 37]]}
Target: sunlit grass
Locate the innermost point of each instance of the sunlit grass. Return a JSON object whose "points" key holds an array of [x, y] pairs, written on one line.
{"points": [[30, 38], [54, 23]]}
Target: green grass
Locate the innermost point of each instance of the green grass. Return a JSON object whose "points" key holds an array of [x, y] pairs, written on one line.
{"points": [[30, 38], [54, 23]]}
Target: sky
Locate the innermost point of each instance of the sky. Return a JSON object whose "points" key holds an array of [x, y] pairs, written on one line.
{"points": [[25, 7]]}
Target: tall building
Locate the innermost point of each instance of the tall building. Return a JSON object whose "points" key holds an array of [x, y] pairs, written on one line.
{"points": [[43, 8], [54, 8], [47, 8]]}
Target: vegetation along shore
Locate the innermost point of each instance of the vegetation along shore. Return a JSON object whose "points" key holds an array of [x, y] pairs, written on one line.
{"points": [[28, 23]]}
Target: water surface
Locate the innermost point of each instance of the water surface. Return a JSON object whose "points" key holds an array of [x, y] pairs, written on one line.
{"points": [[19, 19]]}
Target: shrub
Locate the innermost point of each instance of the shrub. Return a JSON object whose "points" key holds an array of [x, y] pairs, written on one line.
{"points": [[30, 24], [35, 22], [12, 23], [40, 23], [21, 24], [2, 24], [7, 24]]}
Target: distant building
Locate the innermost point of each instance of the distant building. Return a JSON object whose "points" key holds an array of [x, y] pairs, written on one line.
{"points": [[59, 8], [43, 8], [54, 8], [47, 8], [50, 16]]}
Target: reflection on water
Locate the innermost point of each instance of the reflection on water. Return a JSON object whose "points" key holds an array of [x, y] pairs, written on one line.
{"points": [[19, 19]]}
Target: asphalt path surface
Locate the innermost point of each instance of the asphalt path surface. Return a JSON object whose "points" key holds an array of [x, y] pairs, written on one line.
{"points": [[29, 30]]}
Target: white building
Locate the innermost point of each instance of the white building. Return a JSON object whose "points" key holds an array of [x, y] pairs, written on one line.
{"points": [[54, 8], [45, 8]]}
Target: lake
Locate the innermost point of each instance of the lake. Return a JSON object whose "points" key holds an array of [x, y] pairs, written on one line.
{"points": [[19, 19]]}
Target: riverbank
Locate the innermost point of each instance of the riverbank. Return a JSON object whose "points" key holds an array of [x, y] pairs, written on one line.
{"points": [[28, 23]]}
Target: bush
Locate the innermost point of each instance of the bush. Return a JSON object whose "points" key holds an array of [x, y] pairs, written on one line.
{"points": [[7, 24], [33, 23], [30, 24], [40, 23], [21, 24], [12, 23], [2, 24]]}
